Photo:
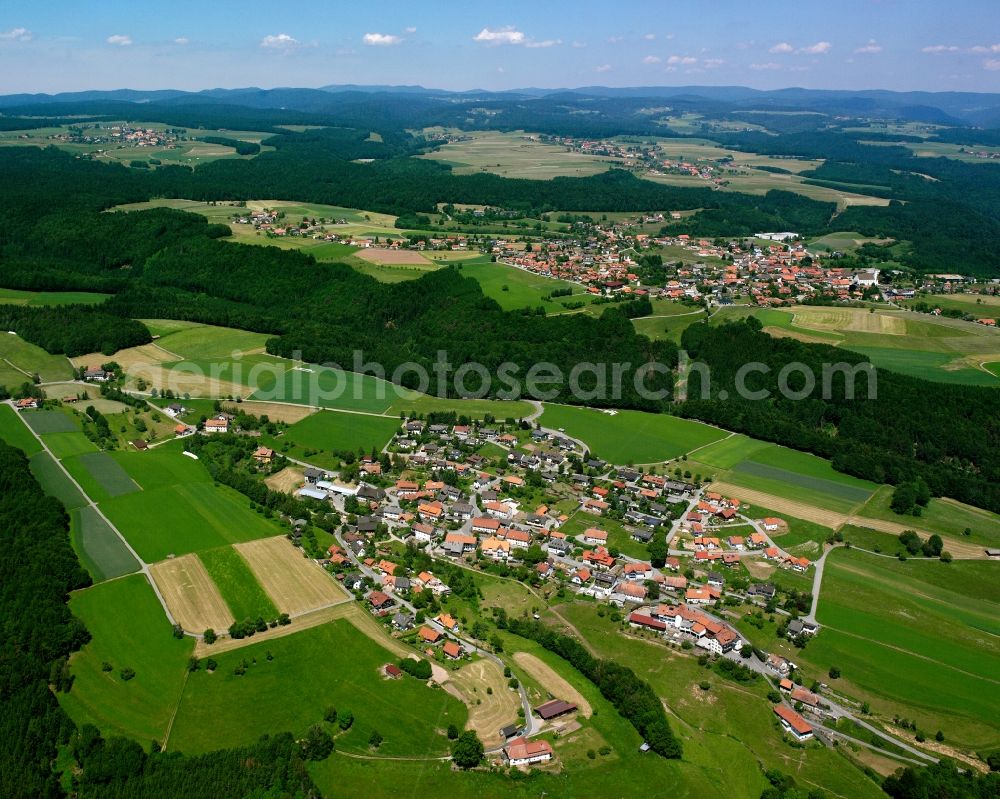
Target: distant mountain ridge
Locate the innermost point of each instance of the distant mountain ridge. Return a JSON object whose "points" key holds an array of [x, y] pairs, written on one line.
{"points": [[948, 108]]}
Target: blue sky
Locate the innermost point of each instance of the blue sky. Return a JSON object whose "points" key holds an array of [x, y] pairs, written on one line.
{"points": [[63, 45]]}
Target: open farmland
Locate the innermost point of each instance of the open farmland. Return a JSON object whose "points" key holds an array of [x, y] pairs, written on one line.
{"points": [[128, 630], [46, 422], [517, 288], [193, 599], [944, 516], [915, 638], [237, 585], [295, 584], [54, 481], [18, 354], [332, 431], [552, 682], [630, 436], [98, 546], [102, 476], [491, 702], [225, 709], [516, 155], [45, 298], [323, 386], [15, 433]]}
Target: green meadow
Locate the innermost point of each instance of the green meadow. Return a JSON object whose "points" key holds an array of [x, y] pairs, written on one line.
{"points": [[334, 431], [237, 584], [915, 638], [207, 342], [54, 481], [45, 422], [100, 550], [516, 288], [129, 630], [630, 436], [331, 665], [15, 433], [943, 516], [101, 476], [27, 358], [43, 298], [309, 384], [66, 445]]}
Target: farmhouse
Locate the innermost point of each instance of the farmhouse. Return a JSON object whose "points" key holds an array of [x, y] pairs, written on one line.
{"points": [[263, 455], [554, 709], [793, 723], [522, 752], [26, 404], [217, 424]]}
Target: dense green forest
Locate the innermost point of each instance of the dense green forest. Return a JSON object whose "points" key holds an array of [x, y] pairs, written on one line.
{"points": [[38, 569], [947, 434]]}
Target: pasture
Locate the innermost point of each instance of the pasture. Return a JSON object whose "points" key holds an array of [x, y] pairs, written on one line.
{"points": [[128, 630], [237, 585], [945, 517], [193, 599], [49, 298], [515, 288], [208, 341], [46, 422], [100, 550], [390, 273], [516, 155], [30, 360], [67, 445], [343, 669], [333, 431], [630, 436], [552, 682], [915, 638], [54, 481], [324, 386], [294, 583], [16, 433], [473, 408]]}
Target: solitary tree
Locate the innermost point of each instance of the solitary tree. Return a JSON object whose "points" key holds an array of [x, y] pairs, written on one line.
{"points": [[468, 750]]}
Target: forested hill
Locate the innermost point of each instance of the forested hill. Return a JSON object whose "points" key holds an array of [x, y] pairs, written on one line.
{"points": [[38, 569], [947, 434]]}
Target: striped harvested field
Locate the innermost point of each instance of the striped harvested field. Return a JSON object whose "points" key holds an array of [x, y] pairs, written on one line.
{"points": [[295, 584], [189, 592]]}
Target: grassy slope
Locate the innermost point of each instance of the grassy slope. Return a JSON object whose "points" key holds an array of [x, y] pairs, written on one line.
{"points": [[946, 517], [128, 629], [34, 360], [311, 670], [630, 436], [332, 431], [15, 433]]}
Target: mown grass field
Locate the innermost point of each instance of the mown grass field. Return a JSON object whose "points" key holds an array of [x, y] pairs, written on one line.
{"points": [[473, 408], [25, 357], [943, 516], [630, 436], [231, 575], [333, 431], [516, 288], [54, 482], [101, 551], [43, 298], [309, 384], [207, 341], [46, 422], [915, 638], [15, 433], [128, 629], [66, 445], [180, 510], [341, 668]]}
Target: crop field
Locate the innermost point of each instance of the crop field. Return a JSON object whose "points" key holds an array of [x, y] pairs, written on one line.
{"points": [[344, 668], [473, 408], [936, 366], [516, 155], [294, 583], [333, 431], [128, 630], [757, 474], [15, 433], [491, 702], [54, 481], [630, 436], [915, 638], [100, 550], [206, 342], [515, 288], [194, 600], [843, 241], [729, 451], [27, 358], [382, 255], [237, 585], [981, 306], [45, 422], [44, 298], [66, 445], [667, 328], [390, 273], [101, 475]]}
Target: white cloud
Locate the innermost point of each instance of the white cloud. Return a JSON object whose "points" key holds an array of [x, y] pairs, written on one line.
{"points": [[820, 48], [986, 48], [871, 47], [938, 49], [649, 37], [16, 35], [686, 60], [713, 63], [281, 41], [651, 59], [764, 67], [543, 43], [506, 35], [119, 39], [578, 45], [992, 64], [603, 68], [615, 39], [381, 39], [182, 40], [782, 47], [411, 29]]}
